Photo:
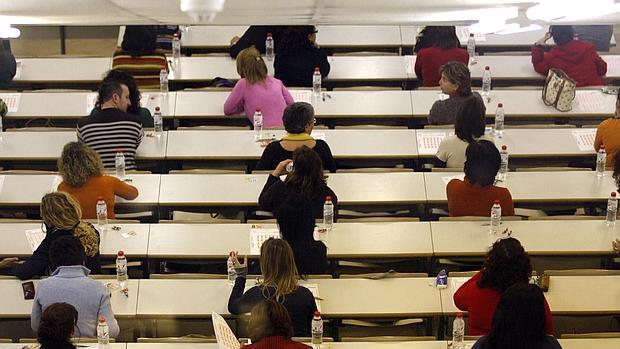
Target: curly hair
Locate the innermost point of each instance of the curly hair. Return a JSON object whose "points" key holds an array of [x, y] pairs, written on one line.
{"points": [[57, 324], [78, 163], [60, 210], [506, 264]]}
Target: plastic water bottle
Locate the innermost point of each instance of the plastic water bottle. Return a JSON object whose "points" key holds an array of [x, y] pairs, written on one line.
{"points": [[158, 122], [121, 270], [163, 81], [458, 332], [258, 124], [176, 49], [316, 82], [328, 213], [269, 47], [486, 82], [102, 214], [103, 331], [119, 164], [496, 217], [317, 328], [1, 129], [499, 120], [612, 209], [232, 275], [471, 47], [601, 158], [442, 279], [503, 167]]}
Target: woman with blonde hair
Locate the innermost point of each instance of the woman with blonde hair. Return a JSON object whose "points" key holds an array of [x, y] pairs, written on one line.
{"points": [[279, 284], [257, 90], [82, 176], [61, 215]]}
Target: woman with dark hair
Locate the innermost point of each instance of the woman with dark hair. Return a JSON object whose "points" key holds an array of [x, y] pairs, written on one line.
{"points": [[519, 321], [8, 64], [298, 121], [438, 45], [139, 55], [270, 327], [135, 97], [576, 58], [506, 264], [475, 195], [298, 55], [469, 126], [306, 179], [456, 83], [56, 327], [296, 223], [608, 135]]}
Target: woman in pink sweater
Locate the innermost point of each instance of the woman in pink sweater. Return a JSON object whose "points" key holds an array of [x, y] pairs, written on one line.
{"points": [[257, 90]]}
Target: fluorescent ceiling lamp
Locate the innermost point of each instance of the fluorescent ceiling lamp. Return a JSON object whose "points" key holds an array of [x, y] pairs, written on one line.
{"points": [[8, 32], [202, 11], [550, 10]]}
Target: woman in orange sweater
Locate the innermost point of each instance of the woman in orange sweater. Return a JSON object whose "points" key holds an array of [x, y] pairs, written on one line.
{"points": [[608, 135], [82, 176]]}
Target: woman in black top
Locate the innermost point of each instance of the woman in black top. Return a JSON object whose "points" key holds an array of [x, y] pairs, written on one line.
{"points": [[279, 274], [519, 321], [306, 179], [8, 65], [298, 122], [296, 223], [298, 55], [57, 326]]}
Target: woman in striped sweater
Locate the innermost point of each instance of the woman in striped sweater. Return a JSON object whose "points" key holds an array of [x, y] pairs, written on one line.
{"points": [[140, 57]]}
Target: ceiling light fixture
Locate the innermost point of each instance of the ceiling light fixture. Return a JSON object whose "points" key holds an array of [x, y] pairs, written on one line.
{"points": [[572, 10], [202, 11], [8, 32]]}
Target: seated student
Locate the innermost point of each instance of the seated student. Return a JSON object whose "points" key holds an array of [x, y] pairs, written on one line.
{"points": [[256, 89], [135, 97], [475, 195], [57, 327], [468, 127], [298, 55], [70, 283], [270, 327], [139, 55], [578, 59], [255, 36], [506, 264], [440, 46], [299, 121], [165, 34], [83, 177], [296, 222], [8, 65], [279, 284], [61, 216], [608, 134], [519, 321], [455, 81], [306, 179]]}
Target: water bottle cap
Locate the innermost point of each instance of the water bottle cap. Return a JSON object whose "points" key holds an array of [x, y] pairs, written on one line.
{"points": [[258, 110], [328, 198], [471, 35], [100, 198], [101, 318], [496, 202], [613, 194], [317, 69], [602, 147], [268, 35], [317, 314], [504, 147], [156, 109], [500, 105], [176, 35], [487, 68], [119, 151], [459, 314], [120, 254]]}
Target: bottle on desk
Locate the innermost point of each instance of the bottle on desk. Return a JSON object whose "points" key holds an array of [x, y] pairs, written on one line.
{"points": [[121, 271], [601, 158], [316, 82], [442, 279], [499, 121], [486, 82], [119, 164], [458, 332], [103, 331], [503, 167], [102, 215], [496, 217], [317, 328], [612, 209], [269, 47], [1, 129], [258, 124], [158, 122], [471, 47], [176, 50], [328, 213], [163, 82]]}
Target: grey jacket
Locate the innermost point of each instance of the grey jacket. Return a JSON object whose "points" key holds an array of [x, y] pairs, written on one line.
{"points": [[71, 284], [444, 112]]}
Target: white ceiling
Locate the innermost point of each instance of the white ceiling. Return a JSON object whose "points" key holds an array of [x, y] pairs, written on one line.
{"points": [[239, 12]]}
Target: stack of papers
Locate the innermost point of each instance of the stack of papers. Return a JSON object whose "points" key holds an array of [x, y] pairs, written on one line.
{"points": [[34, 237], [11, 100], [591, 101], [584, 139], [428, 142], [260, 235], [301, 95]]}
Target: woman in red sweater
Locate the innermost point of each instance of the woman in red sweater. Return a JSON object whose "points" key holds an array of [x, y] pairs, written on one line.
{"points": [[576, 58], [436, 46], [270, 327], [506, 264]]}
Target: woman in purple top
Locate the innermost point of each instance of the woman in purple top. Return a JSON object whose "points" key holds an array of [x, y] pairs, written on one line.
{"points": [[256, 90]]}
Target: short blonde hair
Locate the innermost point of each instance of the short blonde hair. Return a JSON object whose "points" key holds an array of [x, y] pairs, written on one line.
{"points": [[277, 264], [251, 66], [78, 163], [60, 210]]}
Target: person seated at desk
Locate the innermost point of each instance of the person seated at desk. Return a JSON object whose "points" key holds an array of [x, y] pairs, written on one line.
{"points": [[608, 135], [519, 321], [578, 59], [475, 195], [307, 179], [270, 327], [436, 46], [255, 36], [469, 126], [112, 129], [57, 327], [455, 81], [257, 90], [296, 223], [298, 56], [70, 283], [506, 264], [165, 35], [61, 215], [616, 245], [83, 177], [139, 55], [299, 122], [135, 107], [8, 64], [279, 284]]}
